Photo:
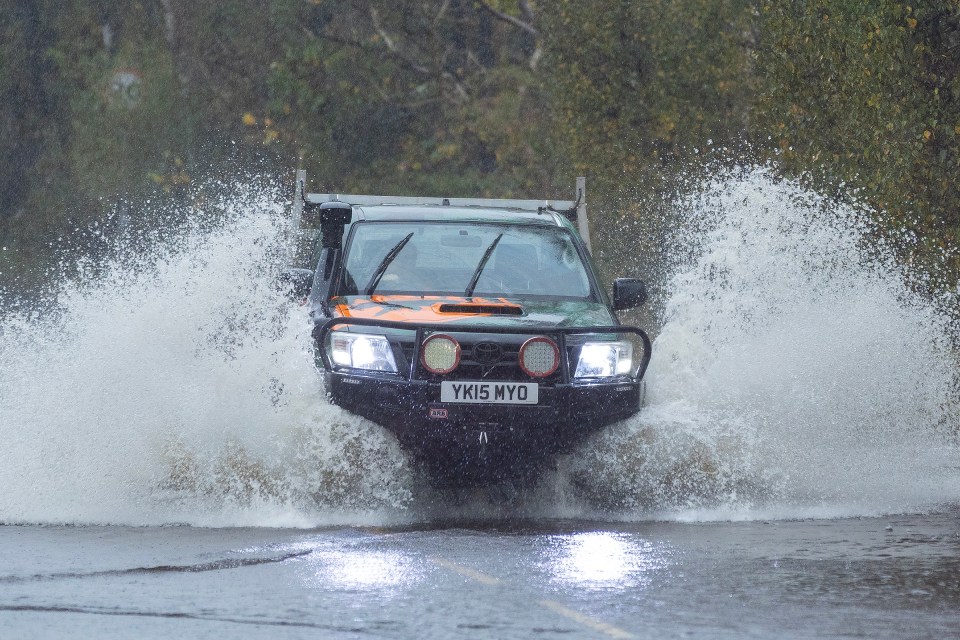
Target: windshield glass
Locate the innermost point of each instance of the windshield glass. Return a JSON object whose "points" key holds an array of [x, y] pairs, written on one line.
{"points": [[447, 258]]}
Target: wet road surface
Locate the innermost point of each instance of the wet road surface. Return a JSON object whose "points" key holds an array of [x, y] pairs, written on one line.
{"points": [[896, 577]]}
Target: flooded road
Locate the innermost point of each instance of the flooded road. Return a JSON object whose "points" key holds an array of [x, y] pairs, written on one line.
{"points": [[896, 577], [799, 390]]}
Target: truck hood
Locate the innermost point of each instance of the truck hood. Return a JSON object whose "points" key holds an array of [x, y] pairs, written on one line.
{"points": [[481, 312]]}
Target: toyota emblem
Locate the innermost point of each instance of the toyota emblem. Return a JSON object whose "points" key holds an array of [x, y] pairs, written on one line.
{"points": [[487, 353]]}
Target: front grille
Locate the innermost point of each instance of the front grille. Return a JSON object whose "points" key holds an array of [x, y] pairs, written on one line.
{"points": [[471, 368]]}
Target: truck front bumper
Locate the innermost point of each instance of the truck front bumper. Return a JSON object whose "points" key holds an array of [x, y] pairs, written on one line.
{"points": [[464, 443], [474, 443]]}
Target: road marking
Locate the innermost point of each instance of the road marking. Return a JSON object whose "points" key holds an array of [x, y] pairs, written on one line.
{"points": [[467, 571], [373, 531], [556, 607], [596, 625]]}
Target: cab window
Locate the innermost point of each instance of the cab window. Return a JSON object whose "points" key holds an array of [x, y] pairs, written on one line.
{"points": [[447, 258]]}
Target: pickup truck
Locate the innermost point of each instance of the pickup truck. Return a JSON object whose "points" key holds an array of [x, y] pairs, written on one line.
{"points": [[474, 330]]}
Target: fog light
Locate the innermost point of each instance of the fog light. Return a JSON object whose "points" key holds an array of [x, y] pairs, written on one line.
{"points": [[539, 357], [440, 353]]}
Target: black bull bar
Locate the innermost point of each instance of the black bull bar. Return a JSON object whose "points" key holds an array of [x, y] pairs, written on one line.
{"points": [[320, 332]]}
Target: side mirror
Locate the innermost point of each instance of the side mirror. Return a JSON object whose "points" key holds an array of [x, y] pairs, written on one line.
{"points": [[297, 283], [628, 293]]}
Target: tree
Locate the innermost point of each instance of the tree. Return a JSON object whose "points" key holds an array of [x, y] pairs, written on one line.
{"points": [[867, 95], [438, 97], [640, 91]]}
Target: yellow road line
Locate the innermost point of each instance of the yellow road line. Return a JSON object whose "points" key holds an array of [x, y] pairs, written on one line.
{"points": [[596, 625], [467, 571], [373, 531], [556, 607]]}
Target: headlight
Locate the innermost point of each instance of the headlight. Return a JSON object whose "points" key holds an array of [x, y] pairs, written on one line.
{"points": [[604, 359], [362, 351]]}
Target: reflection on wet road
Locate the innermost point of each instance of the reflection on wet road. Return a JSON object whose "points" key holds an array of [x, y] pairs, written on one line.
{"points": [[872, 577]]}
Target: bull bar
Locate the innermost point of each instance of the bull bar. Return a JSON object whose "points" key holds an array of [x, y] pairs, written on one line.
{"points": [[320, 332]]}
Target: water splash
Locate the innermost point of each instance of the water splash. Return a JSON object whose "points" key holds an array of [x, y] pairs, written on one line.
{"points": [[795, 373], [177, 385]]}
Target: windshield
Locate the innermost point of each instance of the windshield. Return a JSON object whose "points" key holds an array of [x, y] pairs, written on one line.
{"points": [[485, 260]]}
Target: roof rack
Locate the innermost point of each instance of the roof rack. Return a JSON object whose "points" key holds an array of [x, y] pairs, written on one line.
{"points": [[573, 210]]}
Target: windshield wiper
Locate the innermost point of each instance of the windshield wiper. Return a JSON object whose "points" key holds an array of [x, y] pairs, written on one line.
{"points": [[382, 267], [480, 266]]}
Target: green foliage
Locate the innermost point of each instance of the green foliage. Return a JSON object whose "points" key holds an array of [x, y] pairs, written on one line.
{"points": [[414, 97], [477, 97], [868, 95], [649, 80], [640, 89]]}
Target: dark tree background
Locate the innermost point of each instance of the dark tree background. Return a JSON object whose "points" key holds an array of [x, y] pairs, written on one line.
{"points": [[110, 102]]}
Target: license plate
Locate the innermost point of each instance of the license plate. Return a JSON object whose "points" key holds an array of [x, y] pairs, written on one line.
{"points": [[490, 392]]}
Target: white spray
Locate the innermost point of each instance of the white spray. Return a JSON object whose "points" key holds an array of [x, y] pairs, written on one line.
{"points": [[795, 373], [181, 387]]}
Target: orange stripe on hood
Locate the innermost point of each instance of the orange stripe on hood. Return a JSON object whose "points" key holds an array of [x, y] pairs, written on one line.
{"points": [[405, 308]]}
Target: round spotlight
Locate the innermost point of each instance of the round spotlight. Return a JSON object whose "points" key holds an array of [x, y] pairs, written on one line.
{"points": [[440, 353], [539, 357]]}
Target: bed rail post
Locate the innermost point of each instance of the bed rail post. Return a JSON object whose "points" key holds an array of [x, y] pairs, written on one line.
{"points": [[582, 225], [299, 193]]}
